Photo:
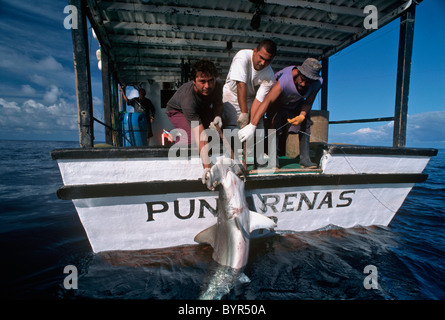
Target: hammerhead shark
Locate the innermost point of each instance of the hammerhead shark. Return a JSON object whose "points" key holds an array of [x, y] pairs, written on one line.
{"points": [[230, 236]]}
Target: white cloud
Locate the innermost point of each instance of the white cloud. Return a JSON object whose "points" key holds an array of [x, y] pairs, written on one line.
{"points": [[370, 132], [49, 64], [37, 79], [32, 119], [45, 9], [43, 71], [52, 95], [18, 61], [28, 90], [8, 107], [424, 130], [427, 129]]}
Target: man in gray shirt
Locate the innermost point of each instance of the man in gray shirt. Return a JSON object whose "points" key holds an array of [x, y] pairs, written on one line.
{"points": [[196, 104]]}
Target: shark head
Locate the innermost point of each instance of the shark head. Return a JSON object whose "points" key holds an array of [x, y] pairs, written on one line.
{"points": [[218, 172]]}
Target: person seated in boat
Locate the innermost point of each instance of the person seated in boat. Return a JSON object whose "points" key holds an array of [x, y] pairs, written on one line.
{"points": [[143, 105], [288, 104], [195, 105]]}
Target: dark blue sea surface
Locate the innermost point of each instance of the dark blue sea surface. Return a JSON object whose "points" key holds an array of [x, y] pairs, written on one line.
{"points": [[40, 235]]}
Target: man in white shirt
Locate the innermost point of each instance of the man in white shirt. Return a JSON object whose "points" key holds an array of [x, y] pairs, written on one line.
{"points": [[249, 80]]}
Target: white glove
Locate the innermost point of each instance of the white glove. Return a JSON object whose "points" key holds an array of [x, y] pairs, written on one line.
{"points": [[243, 120], [217, 122], [247, 132]]}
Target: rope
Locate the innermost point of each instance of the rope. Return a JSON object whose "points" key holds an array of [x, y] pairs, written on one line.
{"points": [[346, 159], [118, 130], [353, 169]]}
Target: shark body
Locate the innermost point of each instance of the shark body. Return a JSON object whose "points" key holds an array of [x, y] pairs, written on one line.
{"points": [[230, 236]]}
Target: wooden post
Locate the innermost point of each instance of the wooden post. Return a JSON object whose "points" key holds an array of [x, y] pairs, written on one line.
{"points": [[83, 79], [106, 92], [403, 76], [115, 108], [121, 97], [324, 87]]}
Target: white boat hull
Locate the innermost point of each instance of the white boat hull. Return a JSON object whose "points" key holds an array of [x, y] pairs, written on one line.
{"points": [[147, 203], [149, 222]]}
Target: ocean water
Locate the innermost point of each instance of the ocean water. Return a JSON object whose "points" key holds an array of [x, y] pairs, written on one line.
{"points": [[40, 235]]}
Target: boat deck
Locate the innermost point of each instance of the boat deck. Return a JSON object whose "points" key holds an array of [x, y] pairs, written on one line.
{"points": [[287, 165]]}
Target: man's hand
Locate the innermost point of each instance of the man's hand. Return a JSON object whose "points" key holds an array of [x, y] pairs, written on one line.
{"points": [[243, 120], [297, 120], [205, 175], [247, 132], [217, 122], [207, 179]]}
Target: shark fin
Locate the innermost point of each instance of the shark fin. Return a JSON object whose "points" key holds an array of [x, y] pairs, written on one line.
{"points": [[259, 221], [207, 236]]}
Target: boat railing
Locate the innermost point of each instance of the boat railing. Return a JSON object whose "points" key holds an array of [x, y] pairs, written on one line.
{"points": [[384, 119]]}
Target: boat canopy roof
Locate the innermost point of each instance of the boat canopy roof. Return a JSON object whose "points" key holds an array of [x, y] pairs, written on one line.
{"points": [[152, 40]]}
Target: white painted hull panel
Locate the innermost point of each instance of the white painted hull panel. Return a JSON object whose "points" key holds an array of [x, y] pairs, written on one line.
{"points": [[146, 218], [128, 170], [382, 164], [149, 222], [163, 169]]}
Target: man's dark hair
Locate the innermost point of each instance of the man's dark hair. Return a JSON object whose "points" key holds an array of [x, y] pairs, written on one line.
{"points": [[204, 66], [269, 45]]}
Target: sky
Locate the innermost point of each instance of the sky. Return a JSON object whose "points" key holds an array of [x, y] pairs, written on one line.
{"points": [[38, 95]]}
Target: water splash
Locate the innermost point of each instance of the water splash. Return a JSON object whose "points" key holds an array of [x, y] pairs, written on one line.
{"points": [[222, 281]]}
